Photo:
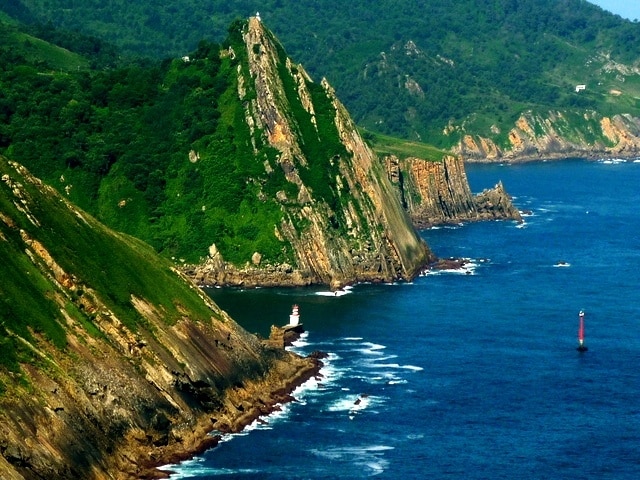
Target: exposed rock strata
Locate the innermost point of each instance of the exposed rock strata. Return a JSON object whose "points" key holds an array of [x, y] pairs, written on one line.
{"points": [[438, 193], [536, 137]]}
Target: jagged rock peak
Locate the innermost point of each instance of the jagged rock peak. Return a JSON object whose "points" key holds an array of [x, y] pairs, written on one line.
{"points": [[345, 224]]}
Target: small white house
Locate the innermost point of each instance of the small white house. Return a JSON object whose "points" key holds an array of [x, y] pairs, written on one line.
{"points": [[579, 88]]}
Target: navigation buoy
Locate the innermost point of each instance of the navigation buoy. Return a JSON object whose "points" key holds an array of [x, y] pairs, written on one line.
{"points": [[581, 346]]}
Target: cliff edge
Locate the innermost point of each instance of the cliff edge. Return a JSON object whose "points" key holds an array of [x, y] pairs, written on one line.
{"points": [[557, 135], [435, 193]]}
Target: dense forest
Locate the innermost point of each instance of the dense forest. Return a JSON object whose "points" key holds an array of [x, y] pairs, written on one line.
{"points": [[155, 149], [410, 68]]}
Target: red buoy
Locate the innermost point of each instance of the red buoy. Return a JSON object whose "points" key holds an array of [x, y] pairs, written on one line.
{"points": [[581, 346]]}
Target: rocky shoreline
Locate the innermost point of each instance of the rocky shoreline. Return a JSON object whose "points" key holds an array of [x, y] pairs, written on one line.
{"points": [[242, 406]]}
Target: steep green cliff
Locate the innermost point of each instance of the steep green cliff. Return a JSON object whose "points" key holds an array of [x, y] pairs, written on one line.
{"points": [[110, 360], [339, 214]]}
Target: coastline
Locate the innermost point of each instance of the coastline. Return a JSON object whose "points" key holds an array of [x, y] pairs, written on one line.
{"points": [[550, 156], [242, 405]]}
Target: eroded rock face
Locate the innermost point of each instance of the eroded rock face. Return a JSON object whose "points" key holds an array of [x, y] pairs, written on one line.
{"points": [[438, 193]]}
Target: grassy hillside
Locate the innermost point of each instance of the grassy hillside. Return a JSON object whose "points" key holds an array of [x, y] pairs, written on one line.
{"points": [[39, 52], [404, 67]]}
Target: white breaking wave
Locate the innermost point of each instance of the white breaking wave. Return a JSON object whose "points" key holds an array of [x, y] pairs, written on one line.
{"points": [[370, 348], [397, 365], [368, 458], [336, 293], [469, 268]]}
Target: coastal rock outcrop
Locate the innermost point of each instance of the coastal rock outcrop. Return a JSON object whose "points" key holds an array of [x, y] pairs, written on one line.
{"points": [[438, 192], [557, 135]]}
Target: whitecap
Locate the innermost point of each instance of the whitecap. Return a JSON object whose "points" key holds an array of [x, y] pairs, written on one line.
{"points": [[469, 268], [372, 361], [299, 344], [343, 404], [396, 365], [370, 348], [365, 457], [612, 161], [397, 382]]}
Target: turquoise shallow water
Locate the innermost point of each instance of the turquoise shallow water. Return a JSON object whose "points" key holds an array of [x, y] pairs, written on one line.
{"points": [[471, 375]]}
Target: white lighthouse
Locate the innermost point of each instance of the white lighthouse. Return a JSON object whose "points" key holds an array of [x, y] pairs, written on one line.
{"points": [[294, 318]]}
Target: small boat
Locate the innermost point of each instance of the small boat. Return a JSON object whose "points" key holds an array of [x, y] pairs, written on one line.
{"points": [[581, 346]]}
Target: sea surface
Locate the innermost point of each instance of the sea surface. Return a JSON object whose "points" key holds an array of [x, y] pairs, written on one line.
{"points": [[471, 374]]}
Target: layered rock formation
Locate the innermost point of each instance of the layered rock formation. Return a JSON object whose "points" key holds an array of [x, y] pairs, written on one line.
{"points": [[111, 362], [436, 193], [345, 227], [558, 135]]}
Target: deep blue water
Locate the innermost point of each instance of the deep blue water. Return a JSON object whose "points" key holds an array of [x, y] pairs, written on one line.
{"points": [[476, 375]]}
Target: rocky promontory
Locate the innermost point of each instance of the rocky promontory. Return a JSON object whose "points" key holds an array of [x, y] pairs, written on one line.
{"points": [[111, 361], [344, 223], [438, 192]]}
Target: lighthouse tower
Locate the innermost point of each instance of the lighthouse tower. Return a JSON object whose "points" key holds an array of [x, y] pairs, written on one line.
{"points": [[294, 318]]}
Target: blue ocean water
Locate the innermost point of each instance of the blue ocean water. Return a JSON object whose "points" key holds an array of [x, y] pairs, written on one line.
{"points": [[471, 375]]}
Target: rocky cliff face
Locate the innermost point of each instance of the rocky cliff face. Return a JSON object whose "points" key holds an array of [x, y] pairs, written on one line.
{"points": [[558, 135], [345, 223], [438, 193], [110, 362]]}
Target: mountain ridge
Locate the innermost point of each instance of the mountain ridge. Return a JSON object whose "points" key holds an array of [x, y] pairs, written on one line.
{"points": [[430, 72], [355, 228]]}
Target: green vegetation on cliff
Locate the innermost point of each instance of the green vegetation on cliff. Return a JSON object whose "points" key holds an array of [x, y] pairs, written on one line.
{"points": [[38, 228]]}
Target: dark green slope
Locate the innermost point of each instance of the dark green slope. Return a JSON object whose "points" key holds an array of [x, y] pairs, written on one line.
{"points": [[408, 67], [111, 362], [158, 150]]}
